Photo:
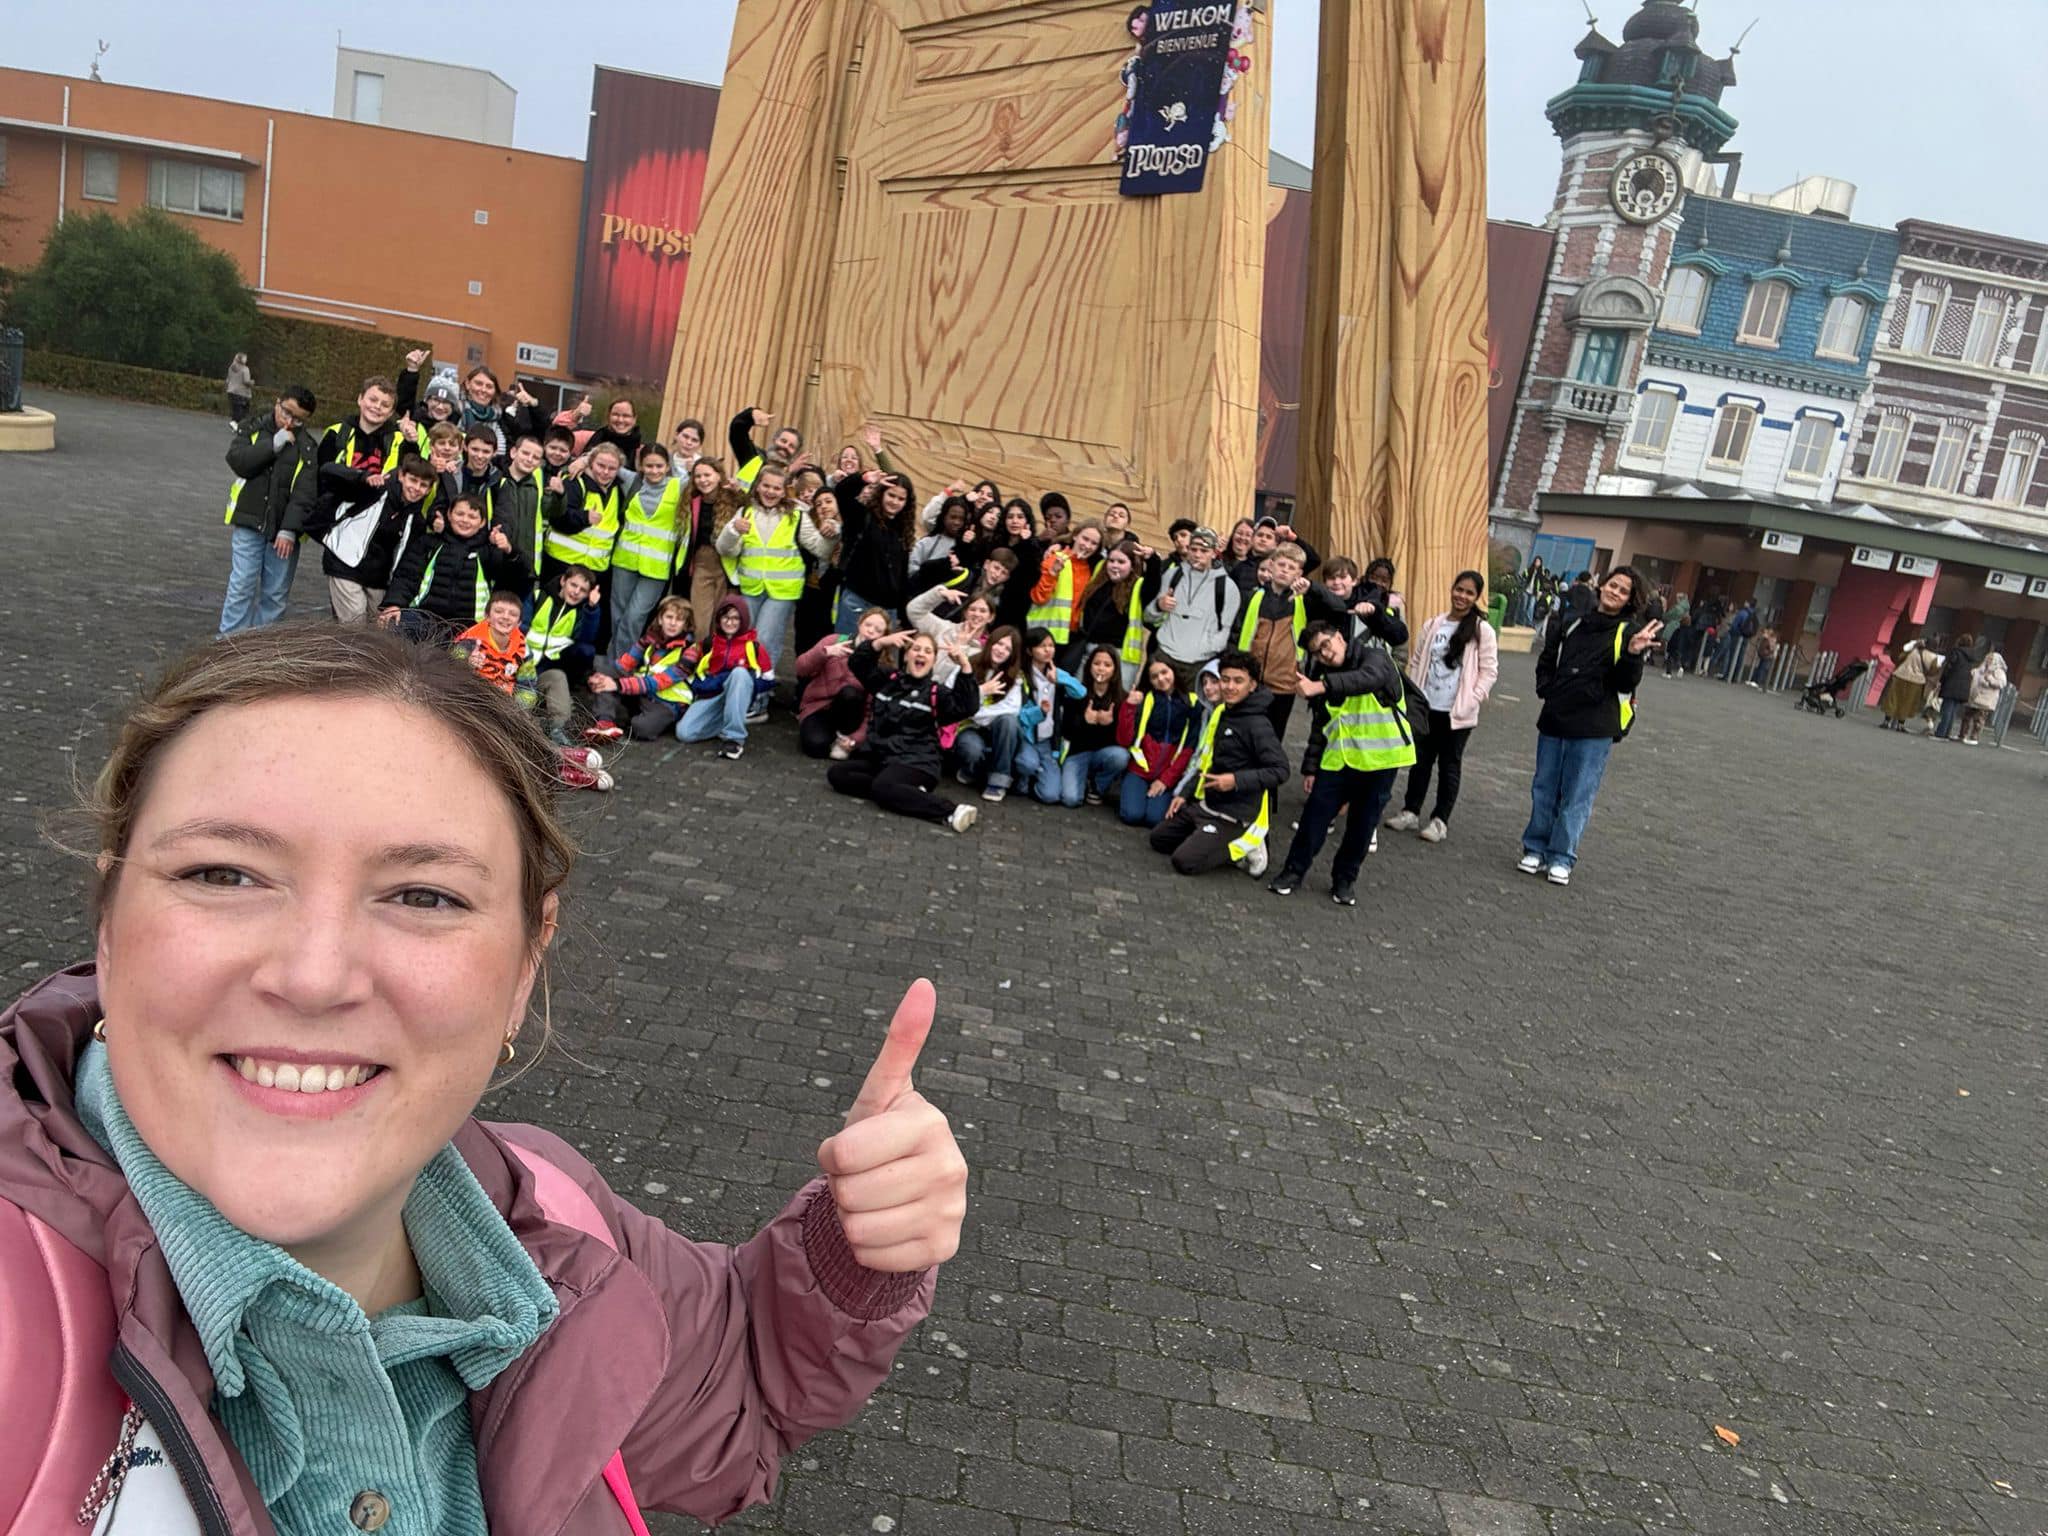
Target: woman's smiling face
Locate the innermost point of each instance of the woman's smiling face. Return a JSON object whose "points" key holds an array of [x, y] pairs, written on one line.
{"points": [[308, 972]]}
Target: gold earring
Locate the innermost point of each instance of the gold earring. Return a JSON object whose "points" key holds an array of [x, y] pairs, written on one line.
{"points": [[511, 1051], [99, 1031]]}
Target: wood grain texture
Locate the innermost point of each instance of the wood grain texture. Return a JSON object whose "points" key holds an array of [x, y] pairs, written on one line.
{"points": [[968, 278], [1394, 381]]}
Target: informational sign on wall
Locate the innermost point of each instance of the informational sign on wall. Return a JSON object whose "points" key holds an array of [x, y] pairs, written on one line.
{"points": [[2005, 581], [1871, 559], [2038, 587], [1918, 565], [1783, 543], [1178, 83]]}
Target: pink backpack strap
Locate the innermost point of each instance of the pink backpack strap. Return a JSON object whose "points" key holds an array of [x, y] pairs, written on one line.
{"points": [[64, 1409], [567, 1203]]}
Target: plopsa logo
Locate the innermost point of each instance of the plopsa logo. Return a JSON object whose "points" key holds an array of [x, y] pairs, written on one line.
{"points": [[657, 239]]}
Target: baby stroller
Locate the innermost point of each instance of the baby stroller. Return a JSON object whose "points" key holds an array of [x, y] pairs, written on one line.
{"points": [[1823, 697]]}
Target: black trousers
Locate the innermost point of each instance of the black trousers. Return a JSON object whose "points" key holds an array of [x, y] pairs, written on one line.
{"points": [[1444, 750], [893, 786], [1366, 794], [645, 717], [841, 717], [812, 621], [1198, 840], [1281, 712]]}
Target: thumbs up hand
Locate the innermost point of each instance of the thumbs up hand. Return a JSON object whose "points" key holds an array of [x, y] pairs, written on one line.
{"points": [[895, 1172]]}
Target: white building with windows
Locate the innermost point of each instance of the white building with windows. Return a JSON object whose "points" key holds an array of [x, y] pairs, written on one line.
{"points": [[1751, 374], [392, 90]]}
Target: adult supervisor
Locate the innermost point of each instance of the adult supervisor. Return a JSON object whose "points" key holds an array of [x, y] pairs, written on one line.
{"points": [[302, 1288]]}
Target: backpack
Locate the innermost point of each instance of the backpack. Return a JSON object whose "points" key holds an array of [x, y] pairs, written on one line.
{"points": [[58, 1330], [1222, 576]]}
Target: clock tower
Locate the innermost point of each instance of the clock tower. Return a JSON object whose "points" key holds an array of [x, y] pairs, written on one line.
{"points": [[1638, 127]]}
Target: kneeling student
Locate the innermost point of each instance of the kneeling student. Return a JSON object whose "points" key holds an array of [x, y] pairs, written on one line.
{"points": [[1359, 740], [493, 645], [1221, 811]]}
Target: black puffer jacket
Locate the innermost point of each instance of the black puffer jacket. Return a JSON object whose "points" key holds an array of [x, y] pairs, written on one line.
{"points": [[438, 573], [1247, 747], [1579, 680], [905, 713], [1954, 687]]}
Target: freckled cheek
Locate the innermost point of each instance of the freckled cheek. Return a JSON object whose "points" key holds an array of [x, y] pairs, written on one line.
{"points": [[453, 994], [176, 967]]}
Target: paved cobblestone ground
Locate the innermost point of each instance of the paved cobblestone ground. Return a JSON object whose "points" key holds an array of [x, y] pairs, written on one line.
{"points": [[1473, 1210]]}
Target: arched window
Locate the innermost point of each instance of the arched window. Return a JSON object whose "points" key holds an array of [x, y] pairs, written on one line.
{"points": [[1685, 300], [1763, 317], [1841, 329]]}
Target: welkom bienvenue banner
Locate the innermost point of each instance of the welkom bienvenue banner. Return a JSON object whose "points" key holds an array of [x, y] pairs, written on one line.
{"points": [[1185, 60]]}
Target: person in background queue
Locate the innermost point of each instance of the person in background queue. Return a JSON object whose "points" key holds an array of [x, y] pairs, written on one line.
{"points": [[1359, 740], [1591, 666], [262, 557], [1455, 663]]}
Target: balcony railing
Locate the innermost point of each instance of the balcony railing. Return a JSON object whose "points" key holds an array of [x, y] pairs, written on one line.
{"points": [[1571, 400]]}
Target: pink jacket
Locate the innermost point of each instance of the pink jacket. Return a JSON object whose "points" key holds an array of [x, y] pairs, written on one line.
{"points": [[703, 1364], [822, 675], [1478, 669]]}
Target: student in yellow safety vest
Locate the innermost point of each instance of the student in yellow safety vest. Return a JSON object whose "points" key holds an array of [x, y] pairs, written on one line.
{"points": [[1222, 808], [583, 507], [1112, 609], [763, 549], [1069, 564], [1359, 740], [350, 465], [1160, 725], [268, 456], [646, 691], [1587, 675], [1277, 612], [644, 559]]}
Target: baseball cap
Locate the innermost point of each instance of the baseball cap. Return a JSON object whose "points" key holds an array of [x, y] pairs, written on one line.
{"points": [[1204, 536], [1268, 521]]}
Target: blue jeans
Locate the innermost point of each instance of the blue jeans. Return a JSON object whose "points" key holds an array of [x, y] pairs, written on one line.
{"points": [[1951, 717], [851, 606], [1038, 765], [1568, 776], [724, 715], [1136, 806], [633, 601], [1095, 771], [994, 744], [772, 618], [259, 581]]}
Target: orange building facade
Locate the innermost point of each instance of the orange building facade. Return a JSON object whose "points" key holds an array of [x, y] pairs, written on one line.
{"points": [[469, 247]]}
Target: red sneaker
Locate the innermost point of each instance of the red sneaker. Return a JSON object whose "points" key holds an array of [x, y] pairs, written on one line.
{"points": [[575, 776], [605, 730], [583, 755]]}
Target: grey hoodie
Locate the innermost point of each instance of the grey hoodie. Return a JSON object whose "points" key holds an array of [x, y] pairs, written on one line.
{"points": [[1199, 628]]}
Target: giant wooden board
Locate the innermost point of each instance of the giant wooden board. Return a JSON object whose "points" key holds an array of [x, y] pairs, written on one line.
{"points": [[1393, 454], [911, 218]]}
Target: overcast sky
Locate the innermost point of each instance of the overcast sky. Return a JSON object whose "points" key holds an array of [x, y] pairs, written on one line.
{"points": [[1929, 128]]}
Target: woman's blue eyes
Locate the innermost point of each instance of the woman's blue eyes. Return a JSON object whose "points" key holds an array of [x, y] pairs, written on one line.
{"points": [[416, 898]]}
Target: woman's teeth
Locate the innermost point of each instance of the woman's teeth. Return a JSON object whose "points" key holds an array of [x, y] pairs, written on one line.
{"points": [[293, 1078]]}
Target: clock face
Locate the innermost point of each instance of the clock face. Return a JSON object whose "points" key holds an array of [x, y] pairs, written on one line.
{"points": [[1646, 186]]}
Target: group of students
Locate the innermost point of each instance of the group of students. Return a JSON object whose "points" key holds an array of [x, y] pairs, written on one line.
{"points": [[660, 590]]}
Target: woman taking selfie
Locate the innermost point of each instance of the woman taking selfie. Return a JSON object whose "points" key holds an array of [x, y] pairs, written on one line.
{"points": [[304, 1289]]}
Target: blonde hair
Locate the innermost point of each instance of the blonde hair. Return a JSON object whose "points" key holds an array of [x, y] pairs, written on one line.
{"points": [[674, 605], [295, 661]]}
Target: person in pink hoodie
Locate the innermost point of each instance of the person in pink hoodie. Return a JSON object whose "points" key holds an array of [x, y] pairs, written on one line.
{"points": [[1454, 662], [244, 1191]]}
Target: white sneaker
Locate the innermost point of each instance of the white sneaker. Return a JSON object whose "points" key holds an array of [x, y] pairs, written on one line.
{"points": [[842, 749], [1403, 821], [1436, 831], [1531, 864], [963, 817], [1374, 846], [1256, 862], [1560, 874]]}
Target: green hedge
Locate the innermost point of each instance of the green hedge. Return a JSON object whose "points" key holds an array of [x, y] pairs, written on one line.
{"points": [[332, 360], [119, 381]]}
